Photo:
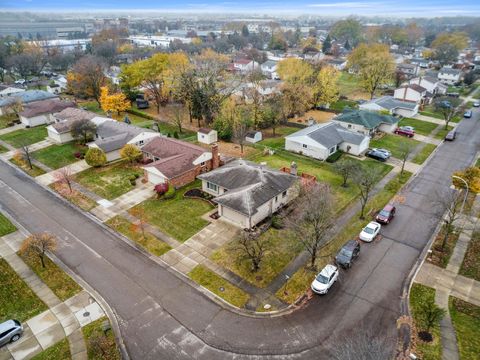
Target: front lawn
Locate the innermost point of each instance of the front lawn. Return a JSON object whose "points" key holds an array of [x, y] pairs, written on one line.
{"points": [[466, 321], [429, 110], [6, 227], [419, 294], [18, 301], [281, 247], [471, 262], [393, 143], [94, 335], [219, 286], [149, 242], [278, 141], [421, 127], [74, 196], [33, 172], [179, 217], [55, 278], [57, 156], [59, 351], [423, 154], [109, 181], [3, 149], [443, 132], [23, 137]]}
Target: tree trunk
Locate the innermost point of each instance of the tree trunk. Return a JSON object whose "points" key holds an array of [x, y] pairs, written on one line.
{"points": [[241, 148], [362, 210], [313, 259], [273, 130], [445, 238], [42, 260]]}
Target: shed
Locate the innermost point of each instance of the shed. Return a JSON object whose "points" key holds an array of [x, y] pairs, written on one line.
{"points": [[254, 136], [207, 136]]}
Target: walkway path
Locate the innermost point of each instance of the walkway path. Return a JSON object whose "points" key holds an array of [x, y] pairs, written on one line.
{"points": [[432, 120], [12, 129], [34, 147], [76, 167]]}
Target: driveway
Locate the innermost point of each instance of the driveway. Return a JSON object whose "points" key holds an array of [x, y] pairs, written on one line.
{"points": [[162, 316]]}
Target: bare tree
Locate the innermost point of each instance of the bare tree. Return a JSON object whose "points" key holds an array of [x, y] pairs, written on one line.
{"points": [[39, 244], [448, 107], [365, 179], [178, 117], [312, 218], [405, 149], [240, 130], [15, 106], [25, 151], [448, 206], [64, 176], [253, 246], [346, 167]]}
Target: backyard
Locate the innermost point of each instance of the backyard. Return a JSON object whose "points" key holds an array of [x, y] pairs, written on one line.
{"points": [[349, 87], [277, 141], [179, 217], [24, 137], [109, 181], [57, 156]]}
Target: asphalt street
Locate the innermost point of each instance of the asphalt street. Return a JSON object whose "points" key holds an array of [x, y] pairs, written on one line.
{"points": [[161, 316]]}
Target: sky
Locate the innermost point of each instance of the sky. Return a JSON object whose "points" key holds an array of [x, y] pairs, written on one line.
{"points": [[417, 8]]}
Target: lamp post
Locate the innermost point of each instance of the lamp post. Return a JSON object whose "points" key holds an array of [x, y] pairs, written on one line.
{"points": [[466, 193], [286, 282]]}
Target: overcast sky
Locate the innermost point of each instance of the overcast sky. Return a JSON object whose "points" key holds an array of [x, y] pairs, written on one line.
{"points": [[418, 8]]}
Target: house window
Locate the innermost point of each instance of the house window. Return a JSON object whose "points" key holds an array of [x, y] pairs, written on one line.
{"points": [[304, 146], [276, 198], [284, 193], [349, 126], [202, 163], [333, 149], [141, 142], [212, 186]]}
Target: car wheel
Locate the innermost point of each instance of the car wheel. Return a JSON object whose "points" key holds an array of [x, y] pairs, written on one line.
{"points": [[15, 338]]}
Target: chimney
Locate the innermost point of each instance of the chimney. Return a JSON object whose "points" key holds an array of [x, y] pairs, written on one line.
{"points": [[293, 168], [215, 157]]}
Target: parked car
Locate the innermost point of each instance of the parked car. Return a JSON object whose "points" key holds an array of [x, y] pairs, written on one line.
{"points": [[386, 215], [347, 254], [476, 104], [467, 114], [10, 331], [20, 81], [377, 155], [385, 151], [325, 279], [370, 231], [452, 134], [405, 131]]}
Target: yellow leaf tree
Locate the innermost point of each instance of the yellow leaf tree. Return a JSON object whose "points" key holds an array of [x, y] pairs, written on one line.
{"points": [[113, 102], [295, 71], [130, 153], [326, 89], [471, 175]]}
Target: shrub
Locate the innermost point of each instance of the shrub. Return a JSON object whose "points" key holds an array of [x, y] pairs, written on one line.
{"points": [[335, 156], [95, 157], [130, 153], [141, 114], [170, 194], [175, 135], [277, 222]]}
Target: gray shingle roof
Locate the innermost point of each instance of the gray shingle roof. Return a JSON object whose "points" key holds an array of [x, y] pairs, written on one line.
{"points": [[449, 71], [368, 119], [329, 135], [390, 103], [27, 97], [113, 135]]}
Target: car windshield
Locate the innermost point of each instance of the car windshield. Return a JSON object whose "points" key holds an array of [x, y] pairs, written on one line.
{"points": [[322, 279], [346, 252], [384, 213], [368, 230]]}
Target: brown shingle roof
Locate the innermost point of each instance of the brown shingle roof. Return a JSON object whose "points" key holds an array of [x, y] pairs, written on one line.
{"points": [[204, 130], [49, 106]]}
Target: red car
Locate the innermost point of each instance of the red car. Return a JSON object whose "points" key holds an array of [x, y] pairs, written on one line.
{"points": [[386, 215], [405, 131]]}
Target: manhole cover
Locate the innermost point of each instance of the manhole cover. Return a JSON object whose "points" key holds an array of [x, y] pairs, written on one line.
{"points": [[86, 313], [222, 289]]}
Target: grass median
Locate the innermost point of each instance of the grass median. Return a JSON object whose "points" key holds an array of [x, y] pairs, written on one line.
{"points": [[100, 343], [6, 227], [466, 321], [59, 351]]}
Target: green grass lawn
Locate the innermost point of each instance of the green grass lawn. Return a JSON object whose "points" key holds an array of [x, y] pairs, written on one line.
{"points": [[443, 132], [6, 227], [208, 279], [3, 149], [349, 86], [59, 351], [24, 137], [322, 170], [423, 154], [393, 143], [278, 142], [18, 301], [179, 217], [340, 105], [421, 127], [471, 262], [55, 278], [34, 171], [57, 156], [109, 350], [466, 321], [419, 294], [149, 243], [429, 110], [109, 181]]}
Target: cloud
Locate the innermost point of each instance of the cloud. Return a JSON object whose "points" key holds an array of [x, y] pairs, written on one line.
{"points": [[353, 4]]}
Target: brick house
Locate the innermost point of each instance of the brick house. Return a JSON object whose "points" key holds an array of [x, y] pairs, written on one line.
{"points": [[177, 162]]}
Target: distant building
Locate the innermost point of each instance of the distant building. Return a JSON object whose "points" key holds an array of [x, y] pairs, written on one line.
{"points": [[392, 105], [366, 122], [449, 76], [408, 70]]}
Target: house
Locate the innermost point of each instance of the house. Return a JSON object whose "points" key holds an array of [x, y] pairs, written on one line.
{"points": [[269, 69], [177, 162], [319, 141], [112, 135], [431, 84], [313, 56], [245, 65], [392, 105], [269, 87], [423, 63], [60, 131], [41, 112], [24, 97], [449, 76], [414, 93], [366, 122], [339, 64], [408, 70], [207, 136], [6, 90], [247, 193], [254, 136]]}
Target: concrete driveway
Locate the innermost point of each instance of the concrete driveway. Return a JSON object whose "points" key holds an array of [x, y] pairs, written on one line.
{"points": [[162, 316]]}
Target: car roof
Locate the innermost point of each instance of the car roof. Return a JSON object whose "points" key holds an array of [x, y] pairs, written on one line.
{"points": [[388, 207], [7, 325], [373, 223], [328, 270], [350, 244]]}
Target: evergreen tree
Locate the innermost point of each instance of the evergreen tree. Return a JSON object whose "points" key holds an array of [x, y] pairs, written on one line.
{"points": [[327, 45], [347, 45], [245, 31]]}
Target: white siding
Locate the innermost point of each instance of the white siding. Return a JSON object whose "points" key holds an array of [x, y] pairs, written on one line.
{"points": [[387, 128], [35, 120], [353, 127], [209, 138], [59, 138], [154, 178], [316, 152]]}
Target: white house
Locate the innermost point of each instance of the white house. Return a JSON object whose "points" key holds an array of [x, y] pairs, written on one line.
{"points": [[409, 70], [207, 136], [366, 122], [423, 63], [60, 131], [431, 84], [449, 76], [269, 87], [41, 112], [6, 90], [247, 193], [392, 105], [412, 92], [245, 65], [254, 136], [319, 141], [339, 64], [269, 69]]}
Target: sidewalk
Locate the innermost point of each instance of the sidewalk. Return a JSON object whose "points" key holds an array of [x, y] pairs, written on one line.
{"points": [[34, 147], [48, 178], [11, 129]]}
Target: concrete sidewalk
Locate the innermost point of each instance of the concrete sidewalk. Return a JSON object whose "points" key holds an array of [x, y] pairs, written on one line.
{"points": [[12, 129], [34, 147], [432, 120]]}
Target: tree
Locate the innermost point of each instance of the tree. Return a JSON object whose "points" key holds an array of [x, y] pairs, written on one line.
{"points": [[15, 106], [446, 46], [374, 64], [471, 175], [448, 107], [83, 130], [326, 89], [448, 210], [130, 153], [253, 246], [349, 29], [178, 117], [346, 167], [245, 31], [25, 151], [405, 149], [414, 33], [430, 314], [240, 127], [365, 179], [87, 77], [312, 218], [30, 61], [327, 45], [445, 53], [38, 245], [95, 157], [271, 113], [469, 78], [113, 102], [64, 176], [141, 220], [295, 71]]}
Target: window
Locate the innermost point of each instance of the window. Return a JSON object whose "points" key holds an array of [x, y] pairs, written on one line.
{"points": [[333, 149], [212, 186], [276, 198], [202, 163], [141, 142], [349, 126], [5, 333], [304, 146], [284, 193]]}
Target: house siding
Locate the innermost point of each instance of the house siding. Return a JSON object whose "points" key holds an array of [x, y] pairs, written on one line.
{"points": [[59, 138], [311, 151], [36, 120]]}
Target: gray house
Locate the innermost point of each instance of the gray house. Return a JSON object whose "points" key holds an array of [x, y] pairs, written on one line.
{"points": [[24, 97]]}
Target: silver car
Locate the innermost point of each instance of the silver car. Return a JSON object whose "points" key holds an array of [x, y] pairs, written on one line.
{"points": [[10, 331]]}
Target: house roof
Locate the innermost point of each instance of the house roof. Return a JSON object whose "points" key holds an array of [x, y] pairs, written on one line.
{"points": [[249, 185], [329, 134], [205, 130], [48, 106], [270, 63], [68, 116], [368, 119], [175, 157], [415, 87], [242, 61], [449, 71], [336, 61], [390, 103], [113, 135], [407, 66], [27, 97]]}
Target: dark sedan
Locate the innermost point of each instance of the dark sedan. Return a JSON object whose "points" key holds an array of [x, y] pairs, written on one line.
{"points": [[347, 254], [377, 155]]}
